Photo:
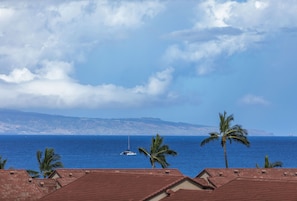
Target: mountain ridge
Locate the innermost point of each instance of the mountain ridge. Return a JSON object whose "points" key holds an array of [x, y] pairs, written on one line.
{"points": [[33, 123], [19, 122]]}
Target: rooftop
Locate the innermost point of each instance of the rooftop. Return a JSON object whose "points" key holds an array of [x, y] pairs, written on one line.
{"points": [[212, 184], [220, 176], [18, 185], [120, 185]]}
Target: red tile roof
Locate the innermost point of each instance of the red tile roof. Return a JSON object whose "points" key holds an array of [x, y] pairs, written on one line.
{"points": [[18, 185], [246, 189], [46, 185], [111, 186], [145, 184], [220, 176], [188, 195], [66, 176], [117, 185], [243, 189]]}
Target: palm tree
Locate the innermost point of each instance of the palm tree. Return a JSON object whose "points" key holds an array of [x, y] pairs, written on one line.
{"points": [[268, 164], [2, 163], [227, 132], [49, 162], [158, 152]]}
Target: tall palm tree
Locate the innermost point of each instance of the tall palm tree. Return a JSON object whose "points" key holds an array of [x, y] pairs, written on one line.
{"points": [[48, 162], [158, 152], [227, 132], [2, 163], [268, 164]]}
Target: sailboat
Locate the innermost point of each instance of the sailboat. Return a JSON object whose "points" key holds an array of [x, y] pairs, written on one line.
{"points": [[128, 152]]}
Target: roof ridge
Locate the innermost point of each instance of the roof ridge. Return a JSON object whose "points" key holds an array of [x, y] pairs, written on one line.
{"points": [[183, 178], [165, 187], [264, 179], [65, 186]]}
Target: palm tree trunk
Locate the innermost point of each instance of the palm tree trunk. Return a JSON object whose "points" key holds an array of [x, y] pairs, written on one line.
{"points": [[225, 155]]}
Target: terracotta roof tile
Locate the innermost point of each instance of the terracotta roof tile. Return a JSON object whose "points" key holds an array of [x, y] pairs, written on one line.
{"points": [[109, 185], [246, 189], [143, 184], [188, 195], [220, 176], [243, 189], [174, 185], [66, 176], [64, 172], [18, 185], [46, 185]]}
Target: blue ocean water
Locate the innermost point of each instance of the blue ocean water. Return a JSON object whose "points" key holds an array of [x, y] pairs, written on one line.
{"points": [[104, 152]]}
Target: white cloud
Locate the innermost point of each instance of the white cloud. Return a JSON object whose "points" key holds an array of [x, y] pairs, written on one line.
{"points": [[41, 42], [18, 75], [261, 4], [157, 84], [251, 99], [228, 27], [52, 90], [54, 70], [49, 70], [215, 13], [5, 14], [53, 30]]}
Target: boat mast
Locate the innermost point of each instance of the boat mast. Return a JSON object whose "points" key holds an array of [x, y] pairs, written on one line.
{"points": [[128, 142]]}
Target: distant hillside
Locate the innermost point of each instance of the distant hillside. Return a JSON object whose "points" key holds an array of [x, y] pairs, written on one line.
{"points": [[17, 122]]}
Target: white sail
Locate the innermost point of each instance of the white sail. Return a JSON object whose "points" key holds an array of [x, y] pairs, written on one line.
{"points": [[128, 152]]}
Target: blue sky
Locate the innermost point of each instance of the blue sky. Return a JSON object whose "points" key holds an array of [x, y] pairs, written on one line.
{"points": [[182, 61]]}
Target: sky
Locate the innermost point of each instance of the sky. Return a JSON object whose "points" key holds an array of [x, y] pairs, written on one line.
{"points": [[180, 61]]}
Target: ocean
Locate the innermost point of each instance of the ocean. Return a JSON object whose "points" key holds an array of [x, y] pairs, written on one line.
{"points": [[104, 152]]}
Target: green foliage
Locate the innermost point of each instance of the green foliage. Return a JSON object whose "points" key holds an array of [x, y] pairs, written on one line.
{"points": [[268, 164], [33, 173], [2, 163], [227, 133], [48, 162], [158, 152]]}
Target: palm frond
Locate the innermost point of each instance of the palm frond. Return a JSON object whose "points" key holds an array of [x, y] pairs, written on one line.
{"points": [[213, 136], [161, 160], [267, 164], [166, 152], [143, 151], [39, 156], [48, 161], [225, 121], [227, 133], [33, 173], [157, 152], [2, 163], [276, 164], [239, 139]]}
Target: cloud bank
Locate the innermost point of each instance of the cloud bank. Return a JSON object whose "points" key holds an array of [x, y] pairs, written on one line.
{"points": [[229, 27], [41, 43]]}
